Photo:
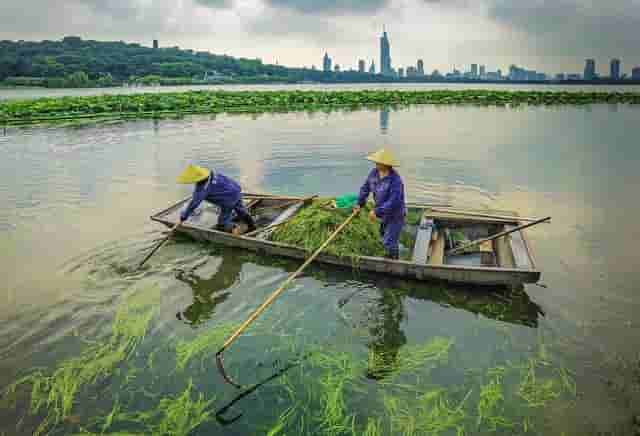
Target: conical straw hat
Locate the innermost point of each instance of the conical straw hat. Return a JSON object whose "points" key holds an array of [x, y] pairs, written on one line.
{"points": [[193, 174], [383, 157]]}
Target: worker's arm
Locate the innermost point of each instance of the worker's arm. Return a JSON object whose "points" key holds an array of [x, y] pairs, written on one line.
{"points": [[365, 190], [198, 197], [393, 201]]}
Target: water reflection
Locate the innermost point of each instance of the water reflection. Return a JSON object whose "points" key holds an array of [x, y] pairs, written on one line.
{"points": [[209, 292], [384, 120], [387, 337]]}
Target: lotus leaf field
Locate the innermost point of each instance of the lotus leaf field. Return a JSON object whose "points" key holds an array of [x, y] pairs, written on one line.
{"points": [[44, 110]]}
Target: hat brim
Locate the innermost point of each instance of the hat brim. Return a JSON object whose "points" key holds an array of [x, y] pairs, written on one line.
{"points": [[387, 163]]}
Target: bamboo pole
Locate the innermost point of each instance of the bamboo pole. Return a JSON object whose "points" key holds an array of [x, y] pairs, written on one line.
{"points": [[496, 236], [275, 295]]}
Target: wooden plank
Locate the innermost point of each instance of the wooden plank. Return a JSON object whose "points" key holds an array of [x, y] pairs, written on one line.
{"points": [[437, 252], [423, 240], [503, 252], [486, 254], [519, 250]]}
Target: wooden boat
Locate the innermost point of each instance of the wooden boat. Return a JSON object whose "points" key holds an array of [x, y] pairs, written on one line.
{"points": [[506, 261]]}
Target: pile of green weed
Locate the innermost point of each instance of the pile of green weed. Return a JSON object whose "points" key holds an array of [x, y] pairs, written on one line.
{"points": [[315, 223]]}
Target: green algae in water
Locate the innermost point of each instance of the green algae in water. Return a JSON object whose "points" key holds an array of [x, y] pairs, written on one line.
{"points": [[205, 343], [56, 393], [178, 416], [314, 224]]}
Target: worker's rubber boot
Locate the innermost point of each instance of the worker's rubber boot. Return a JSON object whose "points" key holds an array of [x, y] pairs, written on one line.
{"points": [[251, 223]]}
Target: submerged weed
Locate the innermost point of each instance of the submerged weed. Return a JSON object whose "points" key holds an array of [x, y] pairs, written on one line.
{"points": [[205, 343], [56, 393]]}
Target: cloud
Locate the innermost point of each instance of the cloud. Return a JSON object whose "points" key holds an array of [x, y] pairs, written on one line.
{"points": [[356, 7]]}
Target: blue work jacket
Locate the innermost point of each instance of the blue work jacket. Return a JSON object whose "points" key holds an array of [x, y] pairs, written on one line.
{"points": [[388, 194], [217, 189]]}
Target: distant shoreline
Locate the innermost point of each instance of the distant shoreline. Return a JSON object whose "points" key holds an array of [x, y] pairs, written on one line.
{"points": [[601, 82]]}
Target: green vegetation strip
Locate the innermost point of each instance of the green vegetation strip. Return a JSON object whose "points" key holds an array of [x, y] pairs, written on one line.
{"points": [[201, 102]]}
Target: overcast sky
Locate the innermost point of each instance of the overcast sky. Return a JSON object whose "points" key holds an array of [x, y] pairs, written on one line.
{"points": [[551, 36]]}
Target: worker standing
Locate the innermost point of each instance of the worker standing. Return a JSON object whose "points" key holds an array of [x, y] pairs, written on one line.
{"points": [[387, 188], [218, 189]]}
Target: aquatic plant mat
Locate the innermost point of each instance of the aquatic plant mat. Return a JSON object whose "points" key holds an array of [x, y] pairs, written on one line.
{"points": [[160, 105], [314, 224], [310, 369]]}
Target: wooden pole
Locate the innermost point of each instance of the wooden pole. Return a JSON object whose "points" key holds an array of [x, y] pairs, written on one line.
{"points": [[276, 294], [498, 235], [157, 247], [484, 215]]}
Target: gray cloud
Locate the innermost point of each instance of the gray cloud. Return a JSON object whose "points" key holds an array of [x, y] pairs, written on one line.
{"points": [[330, 6]]}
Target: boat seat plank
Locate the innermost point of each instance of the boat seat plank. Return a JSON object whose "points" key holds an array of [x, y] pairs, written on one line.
{"points": [[519, 249], [487, 256], [423, 240], [437, 251]]}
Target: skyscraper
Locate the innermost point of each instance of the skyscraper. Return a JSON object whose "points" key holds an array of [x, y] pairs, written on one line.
{"points": [[420, 67], [474, 70], [590, 69], [361, 66], [326, 63], [635, 73], [400, 72], [615, 69], [155, 44], [483, 71], [372, 68], [385, 55]]}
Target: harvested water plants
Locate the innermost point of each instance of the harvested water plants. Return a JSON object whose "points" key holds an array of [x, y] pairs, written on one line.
{"points": [[160, 105]]}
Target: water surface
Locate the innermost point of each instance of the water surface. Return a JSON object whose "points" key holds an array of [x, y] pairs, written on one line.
{"points": [[74, 221]]}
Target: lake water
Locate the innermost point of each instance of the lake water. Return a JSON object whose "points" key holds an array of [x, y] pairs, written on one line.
{"points": [[133, 352]]}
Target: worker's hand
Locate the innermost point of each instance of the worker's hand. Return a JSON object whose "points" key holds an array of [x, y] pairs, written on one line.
{"points": [[372, 216], [357, 208]]}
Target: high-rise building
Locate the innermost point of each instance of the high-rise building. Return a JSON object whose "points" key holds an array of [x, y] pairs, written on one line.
{"points": [[420, 67], [635, 73], [336, 68], [155, 44], [590, 69], [615, 69], [361, 66], [483, 71], [400, 72], [326, 63], [474, 70], [372, 68], [385, 55]]}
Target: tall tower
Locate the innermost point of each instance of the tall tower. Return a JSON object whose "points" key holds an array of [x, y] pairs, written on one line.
{"points": [[420, 67], [155, 44], [590, 69], [385, 55], [361, 66], [615, 69], [372, 68], [326, 63]]}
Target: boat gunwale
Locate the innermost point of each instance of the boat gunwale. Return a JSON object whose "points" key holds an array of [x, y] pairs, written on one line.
{"points": [[266, 243]]}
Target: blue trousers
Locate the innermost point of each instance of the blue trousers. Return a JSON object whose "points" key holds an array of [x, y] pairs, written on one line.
{"points": [[390, 233], [227, 215]]}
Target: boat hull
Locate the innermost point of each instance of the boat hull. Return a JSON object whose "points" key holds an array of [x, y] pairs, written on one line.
{"points": [[461, 274]]}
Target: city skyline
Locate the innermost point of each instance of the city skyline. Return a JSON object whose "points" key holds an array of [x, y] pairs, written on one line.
{"points": [[479, 71], [445, 34]]}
